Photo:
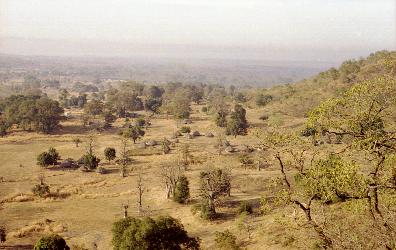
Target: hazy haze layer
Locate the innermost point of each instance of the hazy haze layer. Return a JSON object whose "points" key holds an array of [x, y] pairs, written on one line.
{"points": [[313, 30]]}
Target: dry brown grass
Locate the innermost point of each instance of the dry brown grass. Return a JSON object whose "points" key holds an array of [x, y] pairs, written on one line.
{"points": [[88, 203]]}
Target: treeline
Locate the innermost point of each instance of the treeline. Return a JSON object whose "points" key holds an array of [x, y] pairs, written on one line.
{"points": [[30, 113], [35, 112]]}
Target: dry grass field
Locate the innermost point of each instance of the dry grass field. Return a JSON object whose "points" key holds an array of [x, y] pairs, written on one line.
{"points": [[85, 204]]}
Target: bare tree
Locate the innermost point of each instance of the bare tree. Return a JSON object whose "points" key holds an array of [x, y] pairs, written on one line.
{"points": [[125, 206], [90, 146], [140, 190], [170, 174], [185, 156]]}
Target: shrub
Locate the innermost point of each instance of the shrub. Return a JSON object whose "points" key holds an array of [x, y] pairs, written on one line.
{"points": [[48, 158], [226, 241], [140, 122], [54, 155], [110, 154], [221, 119], [76, 141], [51, 242], [262, 100], [2, 234], [308, 132], [90, 161], [147, 233], [185, 129], [207, 212], [44, 159], [204, 109], [264, 117], [245, 207], [3, 128], [182, 191], [41, 190]]}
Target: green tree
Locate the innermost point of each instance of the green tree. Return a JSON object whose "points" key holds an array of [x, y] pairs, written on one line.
{"points": [[153, 91], [263, 99], [90, 161], [226, 241], [133, 132], [46, 159], [147, 233], [182, 191], [214, 183], [94, 107], [51, 242], [237, 124], [2, 234], [110, 154], [153, 105], [221, 119]]}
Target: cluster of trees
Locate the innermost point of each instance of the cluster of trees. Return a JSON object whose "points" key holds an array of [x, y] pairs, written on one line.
{"points": [[31, 113], [66, 100], [235, 123]]}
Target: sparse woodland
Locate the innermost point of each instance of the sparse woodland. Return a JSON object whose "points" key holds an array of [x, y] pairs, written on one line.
{"points": [[127, 165]]}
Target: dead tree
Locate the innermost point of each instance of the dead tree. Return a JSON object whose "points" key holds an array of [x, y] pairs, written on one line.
{"points": [[170, 174], [126, 206], [140, 190]]}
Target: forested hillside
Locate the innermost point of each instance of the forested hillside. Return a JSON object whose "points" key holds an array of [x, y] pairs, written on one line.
{"points": [[298, 99]]}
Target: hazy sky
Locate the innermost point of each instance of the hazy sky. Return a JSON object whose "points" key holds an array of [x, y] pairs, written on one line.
{"points": [[284, 26]]}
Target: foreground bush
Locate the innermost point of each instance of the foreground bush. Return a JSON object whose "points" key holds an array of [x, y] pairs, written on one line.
{"points": [[185, 129], [226, 241], [182, 191], [148, 233], [51, 242], [41, 190], [245, 207]]}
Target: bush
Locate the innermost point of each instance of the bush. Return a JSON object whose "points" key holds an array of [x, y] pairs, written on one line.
{"points": [[308, 132], [226, 241], [221, 119], [110, 154], [90, 161], [185, 129], [41, 190], [140, 122], [2, 234], [147, 233], [262, 100], [207, 212], [48, 158], [182, 191], [51, 242], [245, 207], [264, 117], [44, 159], [204, 109]]}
